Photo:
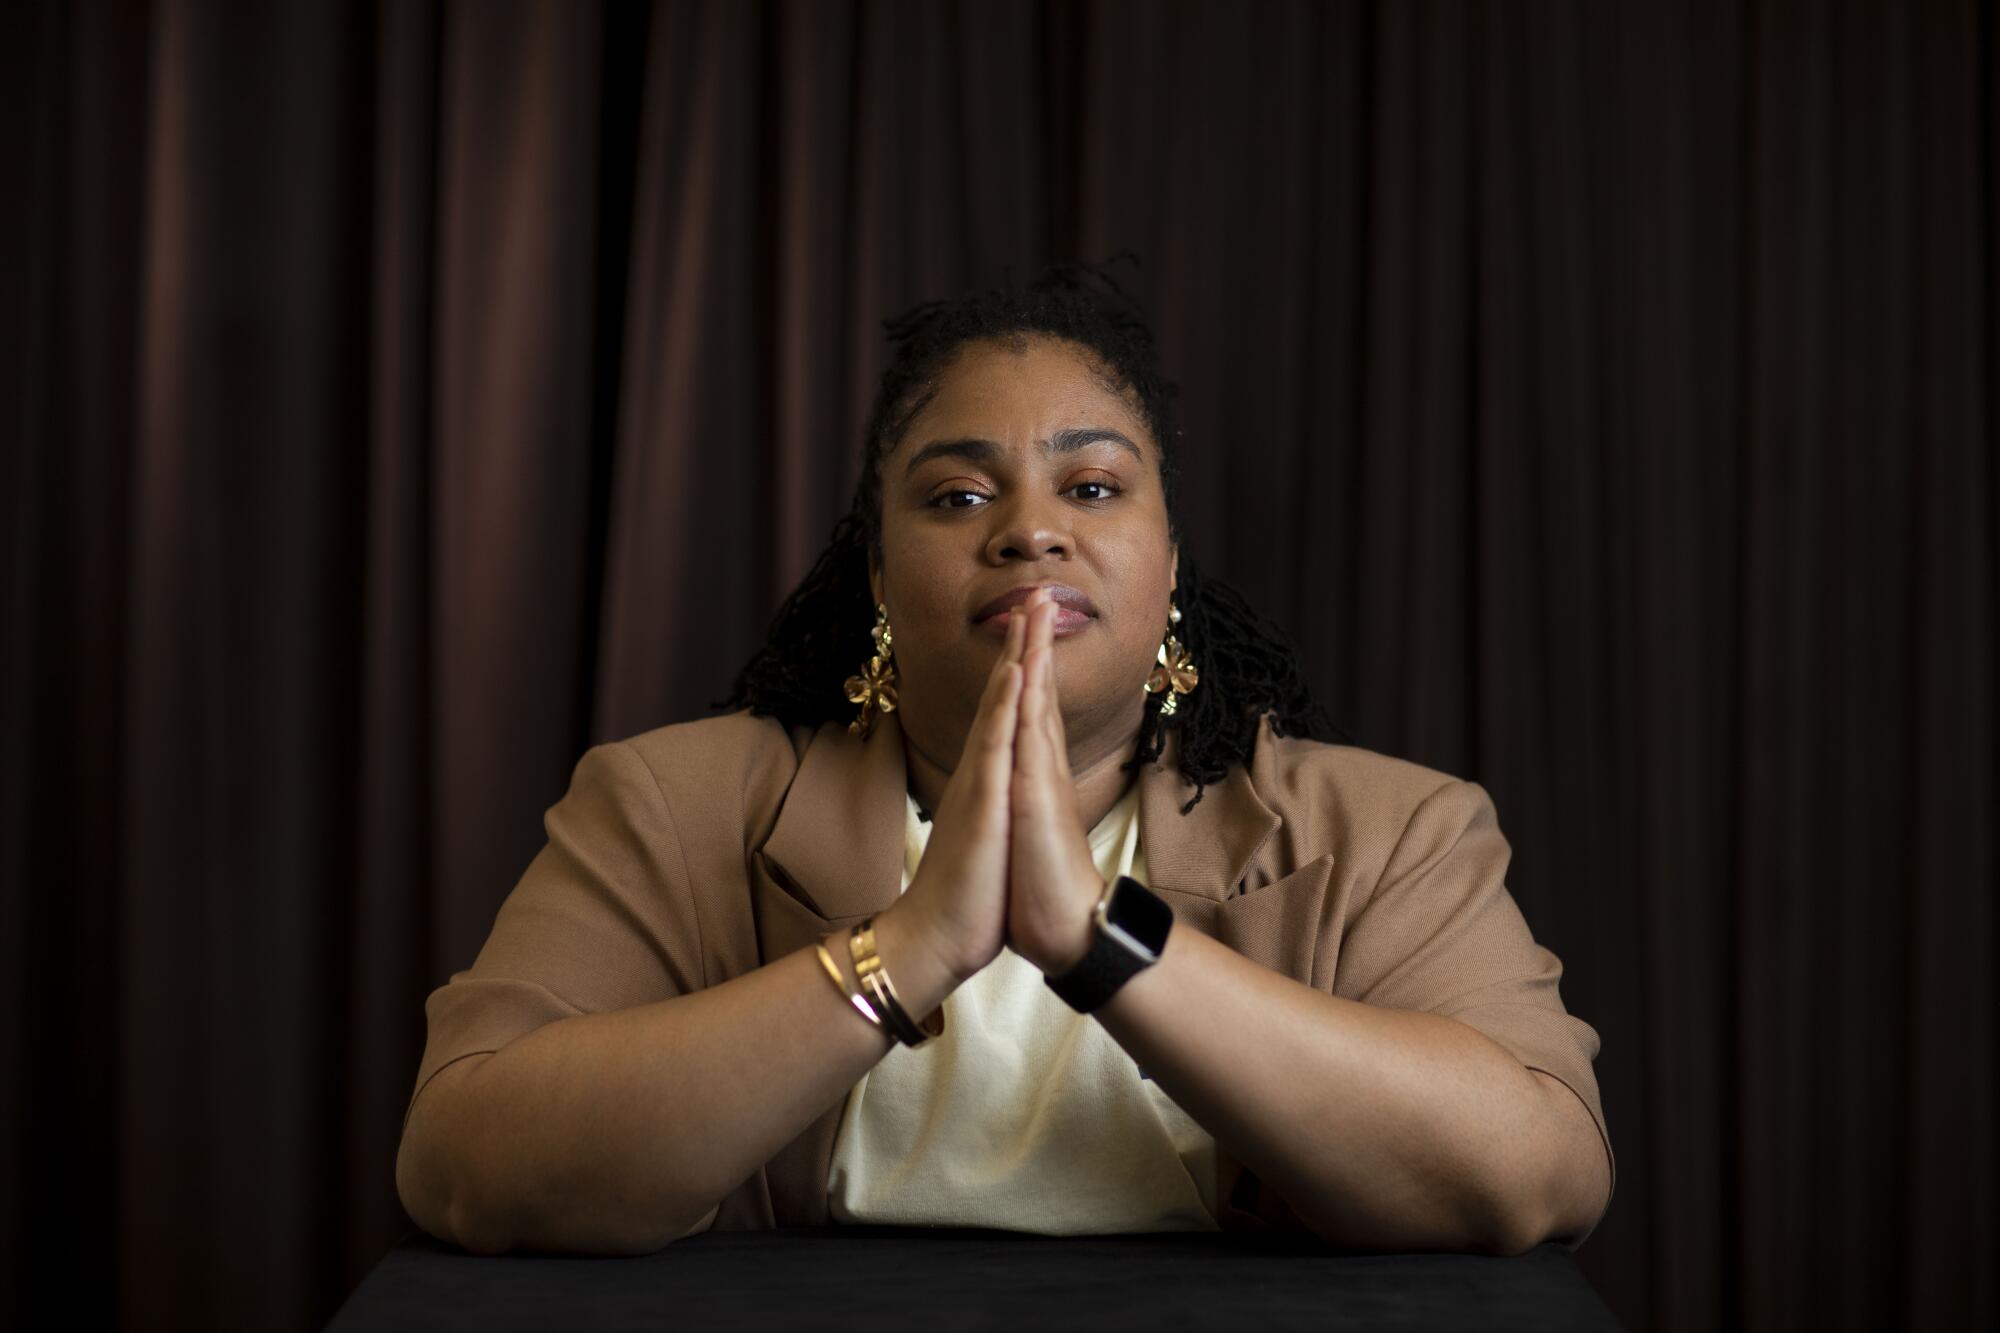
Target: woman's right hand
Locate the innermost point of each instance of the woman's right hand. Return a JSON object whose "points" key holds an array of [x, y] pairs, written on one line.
{"points": [[957, 902]]}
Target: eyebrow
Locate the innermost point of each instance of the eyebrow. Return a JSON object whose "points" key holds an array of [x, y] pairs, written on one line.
{"points": [[985, 451]]}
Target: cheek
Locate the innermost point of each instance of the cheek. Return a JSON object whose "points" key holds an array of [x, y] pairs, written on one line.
{"points": [[922, 597], [934, 640], [1135, 645], [1143, 643]]}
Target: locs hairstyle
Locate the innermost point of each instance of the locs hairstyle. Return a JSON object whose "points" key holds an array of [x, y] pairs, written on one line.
{"points": [[819, 636]]}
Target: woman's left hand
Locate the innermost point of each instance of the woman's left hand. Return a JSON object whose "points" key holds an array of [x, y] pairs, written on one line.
{"points": [[1053, 882]]}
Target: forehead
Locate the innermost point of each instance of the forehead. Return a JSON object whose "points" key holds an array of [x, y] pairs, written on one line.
{"points": [[1023, 390]]}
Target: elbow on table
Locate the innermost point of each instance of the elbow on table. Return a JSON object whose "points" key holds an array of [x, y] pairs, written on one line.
{"points": [[488, 1227], [450, 1180], [421, 1192], [1519, 1215], [1512, 1235], [439, 1209], [1483, 1222], [474, 1232], [631, 1238], [437, 1187]]}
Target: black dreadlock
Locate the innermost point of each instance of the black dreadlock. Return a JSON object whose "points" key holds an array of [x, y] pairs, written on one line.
{"points": [[819, 636]]}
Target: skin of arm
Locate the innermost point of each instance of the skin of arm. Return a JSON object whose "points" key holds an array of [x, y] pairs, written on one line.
{"points": [[620, 1132], [1382, 1128]]}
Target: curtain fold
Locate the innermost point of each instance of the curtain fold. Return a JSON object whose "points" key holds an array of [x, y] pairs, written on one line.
{"points": [[403, 398]]}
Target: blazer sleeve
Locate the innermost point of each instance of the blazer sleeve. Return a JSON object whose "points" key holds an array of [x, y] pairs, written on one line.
{"points": [[602, 919], [1442, 934]]}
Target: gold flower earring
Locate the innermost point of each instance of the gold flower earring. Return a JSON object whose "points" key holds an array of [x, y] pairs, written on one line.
{"points": [[875, 688], [1174, 672]]}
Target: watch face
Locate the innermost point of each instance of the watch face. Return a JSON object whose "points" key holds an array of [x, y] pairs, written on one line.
{"points": [[1138, 918]]}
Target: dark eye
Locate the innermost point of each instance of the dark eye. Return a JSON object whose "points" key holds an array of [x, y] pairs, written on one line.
{"points": [[942, 498]]}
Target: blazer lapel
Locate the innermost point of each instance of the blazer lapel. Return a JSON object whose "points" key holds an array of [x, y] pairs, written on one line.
{"points": [[1208, 851], [839, 835]]}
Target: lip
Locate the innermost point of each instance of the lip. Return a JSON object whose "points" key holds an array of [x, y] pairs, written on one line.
{"points": [[1067, 623], [1075, 605]]}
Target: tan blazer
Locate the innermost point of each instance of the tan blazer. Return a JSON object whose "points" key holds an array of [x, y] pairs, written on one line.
{"points": [[699, 851]]}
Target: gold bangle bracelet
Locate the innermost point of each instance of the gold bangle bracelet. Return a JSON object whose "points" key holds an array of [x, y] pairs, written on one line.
{"points": [[840, 984], [898, 1021], [868, 968]]}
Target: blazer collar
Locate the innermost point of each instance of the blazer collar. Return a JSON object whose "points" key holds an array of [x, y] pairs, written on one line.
{"points": [[839, 833]]}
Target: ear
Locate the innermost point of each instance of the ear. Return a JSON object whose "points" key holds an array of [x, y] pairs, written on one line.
{"points": [[1174, 573], [874, 583]]}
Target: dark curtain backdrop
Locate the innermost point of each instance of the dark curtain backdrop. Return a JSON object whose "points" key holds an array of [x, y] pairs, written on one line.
{"points": [[402, 398]]}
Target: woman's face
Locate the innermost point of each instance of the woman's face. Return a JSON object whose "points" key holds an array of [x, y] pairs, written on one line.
{"points": [[1025, 468]]}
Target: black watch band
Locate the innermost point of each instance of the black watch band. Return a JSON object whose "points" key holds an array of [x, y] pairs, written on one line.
{"points": [[1130, 930]]}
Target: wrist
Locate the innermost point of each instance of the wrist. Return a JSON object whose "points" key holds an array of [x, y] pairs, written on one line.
{"points": [[1078, 939], [1127, 937], [910, 942]]}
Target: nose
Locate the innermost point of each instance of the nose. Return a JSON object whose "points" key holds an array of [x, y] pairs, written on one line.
{"points": [[1028, 528]]}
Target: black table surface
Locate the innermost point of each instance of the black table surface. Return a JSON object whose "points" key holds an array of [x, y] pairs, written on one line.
{"points": [[876, 1277]]}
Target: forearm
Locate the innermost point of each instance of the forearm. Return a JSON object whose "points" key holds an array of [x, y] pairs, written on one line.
{"points": [[615, 1132], [1382, 1128]]}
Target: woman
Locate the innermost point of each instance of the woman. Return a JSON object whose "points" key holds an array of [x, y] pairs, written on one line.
{"points": [[1048, 903]]}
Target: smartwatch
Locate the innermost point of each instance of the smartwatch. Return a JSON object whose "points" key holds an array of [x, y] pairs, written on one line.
{"points": [[1131, 930]]}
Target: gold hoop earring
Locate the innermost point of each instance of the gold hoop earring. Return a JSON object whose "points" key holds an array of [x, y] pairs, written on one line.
{"points": [[875, 688], [1173, 672]]}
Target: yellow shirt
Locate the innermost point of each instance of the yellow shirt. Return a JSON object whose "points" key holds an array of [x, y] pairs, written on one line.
{"points": [[1025, 1115]]}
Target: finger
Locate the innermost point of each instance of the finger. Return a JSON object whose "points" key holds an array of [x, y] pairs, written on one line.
{"points": [[1041, 646], [1017, 633], [985, 720], [1048, 718], [1010, 657], [1032, 772], [1031, 723], [1005, 688], [997, 741], [1045, 684], [1015, 649], [1003, 683], [1010, 664], [1017, 636], [1027, 669], [1037, 639], [990, 743], [1048, 715], [1057, 736], [1049, 738]]}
